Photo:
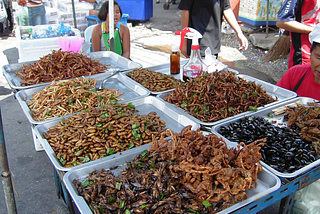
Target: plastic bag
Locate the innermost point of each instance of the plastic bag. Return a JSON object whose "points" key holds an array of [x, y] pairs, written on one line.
{"points": [[22, 16], [3, 12], [212, 62], [306, 200], [74, 45]]}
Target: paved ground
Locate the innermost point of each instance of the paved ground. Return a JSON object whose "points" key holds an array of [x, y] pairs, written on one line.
{"points": [[33, 171]]}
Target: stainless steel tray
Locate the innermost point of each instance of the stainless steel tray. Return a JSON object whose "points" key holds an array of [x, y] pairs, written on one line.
{"points": [[144, 105], [267, 182], [107, 57], [264, 114], [115, 60], [165, 69], [273, 90], [125, 85]]}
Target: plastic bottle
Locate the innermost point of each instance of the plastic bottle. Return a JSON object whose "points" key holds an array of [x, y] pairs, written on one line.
{"points": [[195, 66], [175, 60], [50, 32], [41, 31], [61, 30], [68, 31], [30, 33]]}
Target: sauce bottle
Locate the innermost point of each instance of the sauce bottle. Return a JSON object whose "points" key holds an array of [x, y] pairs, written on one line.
{"points": [[175, 60]]}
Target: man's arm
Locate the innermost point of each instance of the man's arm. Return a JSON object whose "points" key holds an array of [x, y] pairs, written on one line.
{"points": [[184, 23], [294, 26], [231, 19], [286, 18]]}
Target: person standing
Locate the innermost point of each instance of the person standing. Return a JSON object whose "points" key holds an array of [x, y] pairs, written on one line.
{"points": [[100, 33], [36, 12], [96, 6], [299, 17], [206, 16], [8, 5], [305, 79]]}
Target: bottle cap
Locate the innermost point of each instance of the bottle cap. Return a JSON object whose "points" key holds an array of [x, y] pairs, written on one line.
{"points": [[175, 48]]}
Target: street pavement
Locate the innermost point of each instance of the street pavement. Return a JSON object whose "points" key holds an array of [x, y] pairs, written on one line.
{"points": [[33, 173]]}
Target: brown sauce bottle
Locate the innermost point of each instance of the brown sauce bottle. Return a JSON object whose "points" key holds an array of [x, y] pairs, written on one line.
{"points": [[175, 60]]}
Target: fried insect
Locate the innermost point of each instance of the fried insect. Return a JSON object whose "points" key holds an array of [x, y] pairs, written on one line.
{"points": [[189, 173], [98, 132], [215, 96], [59, 65], [152, 80], [69, 96], [306, 121]]}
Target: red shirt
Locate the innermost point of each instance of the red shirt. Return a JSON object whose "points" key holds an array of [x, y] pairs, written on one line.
{"points": [[306, 12], [308, 87], [34, 2]]}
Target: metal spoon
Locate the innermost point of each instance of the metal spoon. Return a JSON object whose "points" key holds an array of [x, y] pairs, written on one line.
{"points": [[106, 79]]}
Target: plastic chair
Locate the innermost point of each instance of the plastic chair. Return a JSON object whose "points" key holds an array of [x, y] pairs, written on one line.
{"points": [[88, 35]]}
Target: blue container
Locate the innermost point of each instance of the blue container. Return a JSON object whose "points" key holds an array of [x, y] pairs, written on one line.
{"points": [[92, 20], [141, 10], [256, 23]]}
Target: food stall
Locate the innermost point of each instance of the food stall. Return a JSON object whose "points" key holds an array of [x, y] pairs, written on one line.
{"points": [[154, 103]]}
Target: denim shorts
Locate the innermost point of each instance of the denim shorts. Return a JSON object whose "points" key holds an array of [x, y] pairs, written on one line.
{"points": [[37, 15], [98, 4]]}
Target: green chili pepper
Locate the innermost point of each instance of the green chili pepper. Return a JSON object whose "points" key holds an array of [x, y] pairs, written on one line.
{"points": [[118, 185], [151, 165], [252, 108], [144, 154], [139, 165], [121, 204], [131, 145], [143, 206], [130, 105], [206, 203], [86, 183], [110, 151]]}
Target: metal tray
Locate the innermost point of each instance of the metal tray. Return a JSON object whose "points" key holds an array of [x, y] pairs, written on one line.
{"points": [[165, 69], [264, 114], [267, 182], [107, 57], [126, 86], [144, 105], [273, 90]]}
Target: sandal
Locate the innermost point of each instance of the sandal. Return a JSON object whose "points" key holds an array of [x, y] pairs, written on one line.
{"points": [[157, 2]]}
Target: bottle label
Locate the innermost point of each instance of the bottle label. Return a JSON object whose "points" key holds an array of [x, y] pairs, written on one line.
{"points": [[195, 67], [192, 73]]}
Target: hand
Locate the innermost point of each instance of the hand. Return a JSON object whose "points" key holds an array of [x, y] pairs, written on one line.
{"points": [[243, 42], [184, 50]]}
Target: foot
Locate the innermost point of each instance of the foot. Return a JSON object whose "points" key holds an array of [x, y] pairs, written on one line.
{"points": [[157, 2]]}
